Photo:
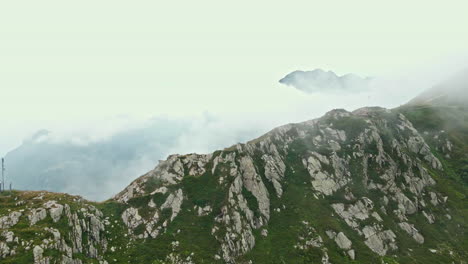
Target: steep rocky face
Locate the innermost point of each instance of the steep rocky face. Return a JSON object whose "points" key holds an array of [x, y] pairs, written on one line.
{"points": [[373, 164], [366, 186]]}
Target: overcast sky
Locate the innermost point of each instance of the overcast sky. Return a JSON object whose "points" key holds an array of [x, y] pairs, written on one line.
{"points": [[73, 65]]}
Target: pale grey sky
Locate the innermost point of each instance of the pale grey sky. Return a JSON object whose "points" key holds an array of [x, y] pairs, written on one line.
{"points": [[67, 65]]}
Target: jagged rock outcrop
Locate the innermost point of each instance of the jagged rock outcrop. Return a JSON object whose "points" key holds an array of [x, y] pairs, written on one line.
{"points": [[37, 215], [378, 240], [174, 202], [9, 220], [55, 210], [412, 231], [82, 230], [342, 241]]}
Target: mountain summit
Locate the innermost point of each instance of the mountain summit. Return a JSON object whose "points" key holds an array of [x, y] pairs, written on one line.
{"points": [[369, 186], [319, 80]]}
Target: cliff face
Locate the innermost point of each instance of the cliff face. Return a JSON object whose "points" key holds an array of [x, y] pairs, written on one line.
{"points": [[368, 186]]}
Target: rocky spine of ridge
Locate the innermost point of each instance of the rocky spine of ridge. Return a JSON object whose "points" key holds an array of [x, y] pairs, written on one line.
{"points": [[402, 161]]}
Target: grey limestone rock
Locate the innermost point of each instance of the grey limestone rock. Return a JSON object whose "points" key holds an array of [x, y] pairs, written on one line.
{"points": [[36, 215]]}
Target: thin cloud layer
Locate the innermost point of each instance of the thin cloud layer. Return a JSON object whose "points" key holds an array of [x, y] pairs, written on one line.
{"points": [[97, 168]]}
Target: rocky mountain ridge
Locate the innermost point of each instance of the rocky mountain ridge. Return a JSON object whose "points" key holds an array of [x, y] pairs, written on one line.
{"points": [[368, 186]]}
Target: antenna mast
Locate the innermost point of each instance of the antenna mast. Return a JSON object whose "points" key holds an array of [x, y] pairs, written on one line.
{"points": [[3, 174]]}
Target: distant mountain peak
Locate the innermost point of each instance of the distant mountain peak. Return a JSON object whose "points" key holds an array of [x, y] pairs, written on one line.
{"points": [[319, 80]]}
